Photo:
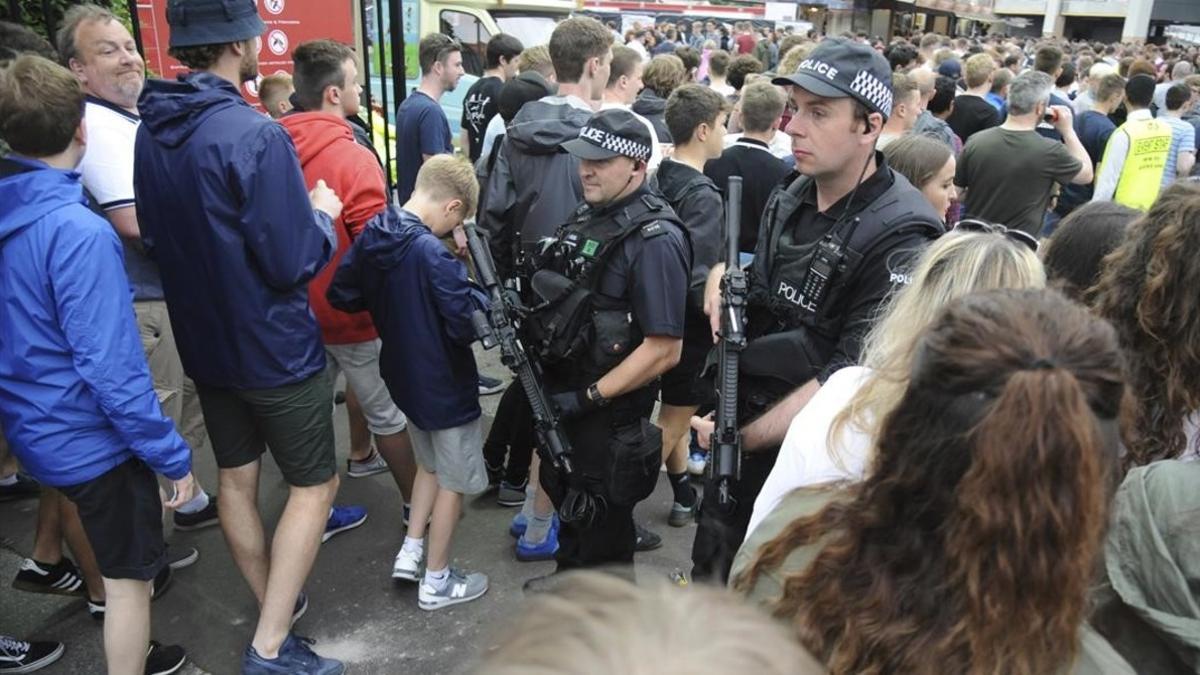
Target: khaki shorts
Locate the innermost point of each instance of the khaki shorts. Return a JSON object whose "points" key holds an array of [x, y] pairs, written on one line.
{"points": [[455, 455], [360, 363], [176, 391]]}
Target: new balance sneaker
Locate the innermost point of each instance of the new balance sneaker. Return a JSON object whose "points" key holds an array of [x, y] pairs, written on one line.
{"points": [[61, 578], [489, 385], [24, 487], [682, 515], [646, 540], [460, 587], [510, 494], [373, 464], [342, 518], [205, 517], [296, 657], [164, 659], [300, 608], [544, 550], [697, 461], [18, 656], [179, 558], [407, 565]]}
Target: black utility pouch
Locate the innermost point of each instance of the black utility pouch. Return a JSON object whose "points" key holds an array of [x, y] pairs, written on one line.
{"points": [[635, 453], [612, 336]]}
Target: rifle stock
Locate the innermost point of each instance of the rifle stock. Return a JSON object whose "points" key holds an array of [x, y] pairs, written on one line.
{"points": [[501, 317], [726, 438]]}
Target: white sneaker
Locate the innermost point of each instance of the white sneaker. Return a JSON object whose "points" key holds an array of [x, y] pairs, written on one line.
{"points": [[407, 565], [460, 587], [697, 461]]}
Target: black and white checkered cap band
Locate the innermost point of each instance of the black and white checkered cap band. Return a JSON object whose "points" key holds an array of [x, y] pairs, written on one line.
{"points": [[874, 90], [618, 144]]}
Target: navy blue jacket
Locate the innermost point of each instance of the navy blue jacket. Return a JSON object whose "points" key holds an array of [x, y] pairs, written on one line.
{"points": [[223, 208], [76, 399], [421, 302]]}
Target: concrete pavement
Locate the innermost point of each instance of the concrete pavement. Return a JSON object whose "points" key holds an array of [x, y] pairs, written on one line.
{"points": [[356, 613]]}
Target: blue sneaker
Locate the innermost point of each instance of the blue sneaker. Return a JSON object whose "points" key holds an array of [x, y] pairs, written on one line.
{"points": [[342, 518], [296, 657], [519, 523], [527, 552]]}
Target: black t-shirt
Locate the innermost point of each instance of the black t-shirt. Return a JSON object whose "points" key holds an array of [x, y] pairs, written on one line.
{"points": [[653, 273], [972, 114], [762, 172], [479, 106]]}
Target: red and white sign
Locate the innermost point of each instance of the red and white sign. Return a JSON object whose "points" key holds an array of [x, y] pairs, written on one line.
{"points": [[289, 23]]}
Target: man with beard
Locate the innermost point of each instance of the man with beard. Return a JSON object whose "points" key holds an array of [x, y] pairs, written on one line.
{"points": [[422, 129], [222, 204], [104, 57]]}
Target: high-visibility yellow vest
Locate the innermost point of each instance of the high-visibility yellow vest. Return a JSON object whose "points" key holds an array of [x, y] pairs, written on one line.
{"points": [[1145, 162]]}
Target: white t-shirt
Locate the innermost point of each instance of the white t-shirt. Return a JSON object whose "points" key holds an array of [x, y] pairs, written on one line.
{"points": [[804, 459], [780, 145], [107, 165]]}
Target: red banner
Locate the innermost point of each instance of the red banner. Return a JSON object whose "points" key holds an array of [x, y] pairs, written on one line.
{"points": [[289, 23]]}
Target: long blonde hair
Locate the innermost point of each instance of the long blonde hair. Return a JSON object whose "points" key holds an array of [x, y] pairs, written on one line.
{"points": [[956, 264]]}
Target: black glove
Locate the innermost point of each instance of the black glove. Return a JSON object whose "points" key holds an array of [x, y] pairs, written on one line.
{"points": [[572, 403]]}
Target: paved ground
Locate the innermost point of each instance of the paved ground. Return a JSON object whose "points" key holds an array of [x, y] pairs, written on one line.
{"points": [[356, 613]]}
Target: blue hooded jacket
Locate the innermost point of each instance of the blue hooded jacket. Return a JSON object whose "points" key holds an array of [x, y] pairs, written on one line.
{"points": [[223, 207], [76, 398], [421, 302]]}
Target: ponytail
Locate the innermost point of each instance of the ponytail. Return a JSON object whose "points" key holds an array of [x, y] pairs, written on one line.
{"points": [[1028, 521]]}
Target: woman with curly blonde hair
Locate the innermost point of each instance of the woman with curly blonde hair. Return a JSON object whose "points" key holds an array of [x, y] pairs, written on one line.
{"points": [[830, 439], [972, 543]]}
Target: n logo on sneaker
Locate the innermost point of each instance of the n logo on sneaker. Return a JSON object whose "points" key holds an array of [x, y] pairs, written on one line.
{"points": [[458, 591]]}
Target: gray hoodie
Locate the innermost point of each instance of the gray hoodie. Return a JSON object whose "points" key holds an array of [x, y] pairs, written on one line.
{"points": [[534, 187]]}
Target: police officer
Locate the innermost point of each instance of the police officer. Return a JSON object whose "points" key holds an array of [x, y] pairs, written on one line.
{"points": [[832, 245], [613, 288]]}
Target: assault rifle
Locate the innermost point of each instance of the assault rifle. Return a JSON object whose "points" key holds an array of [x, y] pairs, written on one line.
{"points": [[499, 327], [726, 441]]}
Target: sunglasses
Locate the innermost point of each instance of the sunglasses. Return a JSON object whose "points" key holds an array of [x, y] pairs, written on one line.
{"points": [[974, 225]]}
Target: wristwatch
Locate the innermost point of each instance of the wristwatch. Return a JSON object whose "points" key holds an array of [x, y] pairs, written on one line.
{"points": [[595, 397]]}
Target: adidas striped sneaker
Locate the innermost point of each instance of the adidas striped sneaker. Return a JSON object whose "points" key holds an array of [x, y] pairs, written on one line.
{"points": [[61, 578]]}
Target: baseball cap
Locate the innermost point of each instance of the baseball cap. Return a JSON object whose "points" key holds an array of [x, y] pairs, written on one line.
{"points": [[526, 87], [840, 68], [212, 22], [951, 68], [611, 133]]}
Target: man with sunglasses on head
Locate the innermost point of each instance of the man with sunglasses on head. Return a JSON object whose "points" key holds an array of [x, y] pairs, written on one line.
{"points": [[832, 245]]}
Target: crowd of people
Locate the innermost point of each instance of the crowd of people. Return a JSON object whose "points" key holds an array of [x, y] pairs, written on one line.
{"points": [[967, 397]]}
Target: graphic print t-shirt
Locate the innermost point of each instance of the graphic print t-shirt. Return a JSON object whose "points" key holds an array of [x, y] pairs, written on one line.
{"points": [[479, 107]]}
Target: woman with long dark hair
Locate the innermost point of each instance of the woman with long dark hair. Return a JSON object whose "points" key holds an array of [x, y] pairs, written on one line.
{"points": [[971, 544], [1150, 291]]}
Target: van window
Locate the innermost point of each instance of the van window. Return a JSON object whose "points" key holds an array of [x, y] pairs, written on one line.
{"points": [[469, 32]]}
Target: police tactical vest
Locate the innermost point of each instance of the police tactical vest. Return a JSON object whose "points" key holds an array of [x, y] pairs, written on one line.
{"points": [[777, 302], [1145, 162], [577, 331]]}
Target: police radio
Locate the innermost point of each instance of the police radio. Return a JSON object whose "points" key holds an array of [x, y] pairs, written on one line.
{"points": [[825, 263]]}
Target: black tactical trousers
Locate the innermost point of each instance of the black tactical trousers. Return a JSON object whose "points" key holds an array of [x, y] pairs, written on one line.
{"points": [[720, 533]]}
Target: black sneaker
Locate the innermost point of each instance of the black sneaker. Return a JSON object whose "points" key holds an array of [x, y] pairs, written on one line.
{"points": [[61, 578], [25, 488], [164, 659], [18, 656], [646, 540], [489, 385], [159, 585], [205, 517], [179, 558]]}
